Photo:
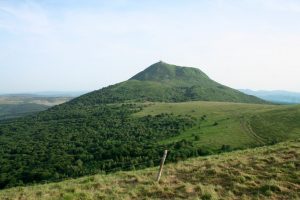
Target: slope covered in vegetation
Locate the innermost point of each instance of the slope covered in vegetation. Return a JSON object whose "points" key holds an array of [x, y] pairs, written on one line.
{"points": [[262, 173], [73, 140], [99, 131], [277, 124], [68, 142], [235, 125], [167, 83], [115, 129]]}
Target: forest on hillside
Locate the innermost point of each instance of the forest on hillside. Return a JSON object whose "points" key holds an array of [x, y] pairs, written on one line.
{"points": [[63, 142]]}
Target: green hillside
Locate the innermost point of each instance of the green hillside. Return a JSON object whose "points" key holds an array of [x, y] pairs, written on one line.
{"points": [[277, 124], [167, 83], [74, 140], [116, 129], [163, 72], [262, 173], [238, 124]]}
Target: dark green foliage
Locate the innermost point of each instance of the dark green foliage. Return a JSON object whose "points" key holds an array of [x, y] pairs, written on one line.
{"points": [[225, 148], [184, 149], [96, 133], [70, 141], [206, 196]]}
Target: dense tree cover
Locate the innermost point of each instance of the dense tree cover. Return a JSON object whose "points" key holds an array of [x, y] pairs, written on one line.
{"points": [[97, 133], [70, 141]]}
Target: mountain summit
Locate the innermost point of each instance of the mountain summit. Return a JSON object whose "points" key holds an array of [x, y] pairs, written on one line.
{"points": [[164, 82], [162, 71]]}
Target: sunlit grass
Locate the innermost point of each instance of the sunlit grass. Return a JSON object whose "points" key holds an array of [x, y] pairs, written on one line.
{"points": [[234, 124]]}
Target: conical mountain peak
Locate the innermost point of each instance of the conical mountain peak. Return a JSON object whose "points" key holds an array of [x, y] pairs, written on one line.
{"points": [[162, 71], [163, 82]]}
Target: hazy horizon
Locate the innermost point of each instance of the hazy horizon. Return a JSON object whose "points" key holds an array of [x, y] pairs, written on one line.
{"points": [[84, 46], [80, 92]]}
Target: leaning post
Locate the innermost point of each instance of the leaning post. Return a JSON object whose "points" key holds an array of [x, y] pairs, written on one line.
{"points": [[161, 165]]}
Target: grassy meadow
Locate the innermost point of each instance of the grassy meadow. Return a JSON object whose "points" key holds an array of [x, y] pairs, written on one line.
{"points": [[238, 125], [270, 172]]}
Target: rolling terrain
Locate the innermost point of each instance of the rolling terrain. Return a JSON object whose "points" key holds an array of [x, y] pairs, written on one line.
{"points": [[127, 126], [277, 96], [19, 105], [8, 111], [33, 99], [239, 125], [61, 143], [261, 173]]}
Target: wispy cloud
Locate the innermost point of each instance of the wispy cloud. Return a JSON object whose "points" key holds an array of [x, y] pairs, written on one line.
{"points": [[25, 18], [86, 44]]}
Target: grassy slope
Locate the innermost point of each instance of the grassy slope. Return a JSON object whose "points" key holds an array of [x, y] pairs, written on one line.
{"points": [[262, 173], [277, 124], [238, 124]]}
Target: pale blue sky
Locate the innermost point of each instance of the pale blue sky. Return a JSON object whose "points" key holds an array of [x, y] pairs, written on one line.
{"points": [[85, 45]]}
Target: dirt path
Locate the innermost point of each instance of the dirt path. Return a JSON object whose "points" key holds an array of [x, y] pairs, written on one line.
{"points": [[247, 128]]}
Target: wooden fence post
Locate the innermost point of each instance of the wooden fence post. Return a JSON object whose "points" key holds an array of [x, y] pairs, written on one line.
{"points": [[161, 165]]}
